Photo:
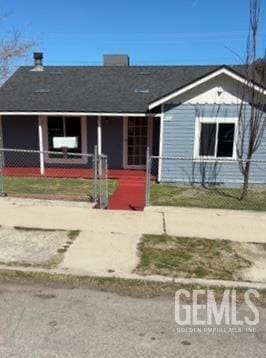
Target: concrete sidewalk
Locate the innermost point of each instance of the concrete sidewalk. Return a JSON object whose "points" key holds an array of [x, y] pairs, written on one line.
{"points": [[77, 216], [102, 254], [108, 239], [243, 226]]}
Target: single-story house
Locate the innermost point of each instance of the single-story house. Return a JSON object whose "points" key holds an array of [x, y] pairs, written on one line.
{"points": [[176, 111]]}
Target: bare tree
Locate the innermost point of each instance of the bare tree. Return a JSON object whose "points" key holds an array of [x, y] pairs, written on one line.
{"points": [[251, 115], [12, 47], [260, 65]]}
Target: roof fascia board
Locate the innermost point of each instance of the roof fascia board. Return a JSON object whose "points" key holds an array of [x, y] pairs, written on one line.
{"points": [[223, 70], [79, 114]]}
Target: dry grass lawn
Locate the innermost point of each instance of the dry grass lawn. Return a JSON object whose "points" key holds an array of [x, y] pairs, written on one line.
{"points": [[190, 258], [53, 188], [219, 198]]}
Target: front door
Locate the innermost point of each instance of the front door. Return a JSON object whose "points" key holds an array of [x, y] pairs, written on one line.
{"points": [[137, 136]]}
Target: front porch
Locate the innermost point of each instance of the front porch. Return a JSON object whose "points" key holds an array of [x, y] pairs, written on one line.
{"points": [[122, 138], [59, 172], [30, 151]]}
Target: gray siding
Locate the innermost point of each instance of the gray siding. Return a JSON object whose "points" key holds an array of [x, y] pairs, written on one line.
{"points": [[92, 133], [178, 141], [20, 132], [112, 141]]}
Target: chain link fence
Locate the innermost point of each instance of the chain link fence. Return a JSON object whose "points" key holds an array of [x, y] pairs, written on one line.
{"points": [[180, 181], [101, 182], [54, 175]]}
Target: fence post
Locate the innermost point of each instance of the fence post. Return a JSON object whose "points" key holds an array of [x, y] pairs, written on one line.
{"points": [[106, 182], [147, 177], [95, 173]]}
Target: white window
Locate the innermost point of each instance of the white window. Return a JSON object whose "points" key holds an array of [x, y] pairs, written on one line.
{"points": [[215, 138]]}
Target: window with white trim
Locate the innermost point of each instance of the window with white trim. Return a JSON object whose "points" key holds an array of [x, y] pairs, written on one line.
{"points": [[216, 138], [63, 127]]}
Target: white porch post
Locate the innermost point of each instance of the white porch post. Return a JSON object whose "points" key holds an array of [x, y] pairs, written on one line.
{"points": [[99, 134], [40, 130], [161, 144]]}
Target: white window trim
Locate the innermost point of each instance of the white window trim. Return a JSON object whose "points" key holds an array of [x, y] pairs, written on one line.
{"points": [[217, 121], [84, 144]]}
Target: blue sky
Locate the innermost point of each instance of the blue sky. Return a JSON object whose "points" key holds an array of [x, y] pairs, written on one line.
{"points": [[150, 31]]}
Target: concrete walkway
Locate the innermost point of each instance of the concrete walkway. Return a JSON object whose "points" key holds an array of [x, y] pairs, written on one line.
{"points": [[102, 253], [108, 239], [243, 226]]}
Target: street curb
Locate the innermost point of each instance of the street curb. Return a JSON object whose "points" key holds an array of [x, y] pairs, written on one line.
{"points": [[151, 279]]}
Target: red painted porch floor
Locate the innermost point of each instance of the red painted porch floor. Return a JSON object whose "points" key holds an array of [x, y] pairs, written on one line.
{"points": [[129, 195]]}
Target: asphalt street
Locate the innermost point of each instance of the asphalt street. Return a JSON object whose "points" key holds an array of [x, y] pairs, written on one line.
{"points": [[38, 321]]}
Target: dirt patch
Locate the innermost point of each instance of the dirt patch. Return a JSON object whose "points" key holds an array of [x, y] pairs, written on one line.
{"points": [[33, 247], [255, 253]]}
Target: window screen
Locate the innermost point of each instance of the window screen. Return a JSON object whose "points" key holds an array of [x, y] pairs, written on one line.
{"points": [[226, 140], [73, 129], [207, 139]]}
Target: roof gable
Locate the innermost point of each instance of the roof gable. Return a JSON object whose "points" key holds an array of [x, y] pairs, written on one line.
{"points": [[224, 70]]}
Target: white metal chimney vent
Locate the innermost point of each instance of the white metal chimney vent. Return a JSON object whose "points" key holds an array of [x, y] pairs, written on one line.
{"points": [[38, 65]]}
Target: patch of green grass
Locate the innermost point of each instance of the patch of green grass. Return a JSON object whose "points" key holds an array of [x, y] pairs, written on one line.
{"points": [[73, 234], [79, 189], [219, 198], [189, 257]]}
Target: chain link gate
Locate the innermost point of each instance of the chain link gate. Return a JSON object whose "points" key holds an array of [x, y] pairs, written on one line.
{"points": [[103, 182], [100, 179]]}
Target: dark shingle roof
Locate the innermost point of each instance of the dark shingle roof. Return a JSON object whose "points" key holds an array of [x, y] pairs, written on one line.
{"points": [[95, 89]]}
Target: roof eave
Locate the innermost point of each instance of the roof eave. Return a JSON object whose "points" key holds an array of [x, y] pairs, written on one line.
{"points": [[65, 113]]}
